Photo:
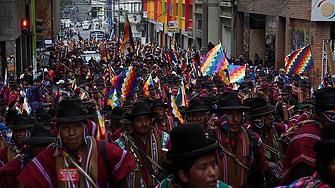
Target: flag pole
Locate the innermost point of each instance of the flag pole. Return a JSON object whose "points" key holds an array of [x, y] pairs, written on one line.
{"points": [[330, 59]]}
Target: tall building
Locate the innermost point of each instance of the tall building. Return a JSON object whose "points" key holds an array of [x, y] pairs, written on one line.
{"points": [[274, 29]]}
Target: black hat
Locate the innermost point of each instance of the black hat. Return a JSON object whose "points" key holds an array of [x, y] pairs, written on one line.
{"points": [[106, 108], [258, 106], [140, 108], [230, 101], [52, 112], [324, 97], [197, 85], [196, 105], [304, 83], [151, 87], [280, 81], [285, 92], [127, 104], [10, 115], [130, 97], [116, 113], [327, 139], [44, 117], [158, 102], [40, 111], [71, 110], [40, 134], [21, 121], [49, 87], [188, 142], [295, 77]]}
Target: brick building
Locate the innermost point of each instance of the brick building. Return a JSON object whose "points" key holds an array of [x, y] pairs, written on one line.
{"points": [[273, 29]]}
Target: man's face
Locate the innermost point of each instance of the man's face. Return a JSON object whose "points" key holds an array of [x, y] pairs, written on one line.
{"points": [[282, 74], [285, 97], [234, 119], [203, 173], [37, 149], [18, 134], [268, 120], [142, 123], [199, 117], [115, 121], [36, 83], [161, 112], [72, 135]]}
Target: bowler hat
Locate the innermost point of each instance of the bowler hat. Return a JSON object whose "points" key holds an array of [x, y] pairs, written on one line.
{"points": [[71, 110], [10, 115], [106, 108], [258, 106], [116, 113], [21, 121], [264, 85], [327, 139], [40, 134], [158, 102], [140, 108], [196, 106], [285, 92], [151, 87], [188, 142], [280, 81], [230, 101], [324, 97], [49, 87], [303, 83]]}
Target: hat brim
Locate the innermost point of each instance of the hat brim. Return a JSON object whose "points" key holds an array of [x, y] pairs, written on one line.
{"points": [[323, 145], [244, 108], [115, 116], [16, 127], [37, 140], [164, 105], [131, 116], [193, 154], [197, 110], [72, 118], [267, 110]]}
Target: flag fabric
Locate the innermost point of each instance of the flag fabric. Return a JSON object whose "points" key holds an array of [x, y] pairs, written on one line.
{"points": [[299, 61], [129, 82], [236, 73], [181, 97], [26, 106], [214, 61], [245, 97], [222, 75], [6, 77], [312, 92], [113, 99], [196, 58], [146, 85], [118, 80], [101, 130], [106, 74], [74, 84], [175, 110], [127, 46], [276, 79], [88, 75], [324, 82], [83, 96], [112, 35], [290, 107], [193, 81], [172, 57]]}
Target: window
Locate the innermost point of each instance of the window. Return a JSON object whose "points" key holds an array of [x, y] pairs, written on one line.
{"points": [[199, 24], [177, 9], [191, 12], [183, 11]]}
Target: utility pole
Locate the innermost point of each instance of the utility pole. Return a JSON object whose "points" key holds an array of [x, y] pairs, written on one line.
{"points": [[233, 29], [33, 41]]}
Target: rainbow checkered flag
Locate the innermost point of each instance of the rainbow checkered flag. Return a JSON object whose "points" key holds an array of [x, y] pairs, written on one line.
{"points": [[129, 82], [101, 129], [146, 85], [299, 61], [236, 73], [214, 61], [114, 100], [175, 110]]}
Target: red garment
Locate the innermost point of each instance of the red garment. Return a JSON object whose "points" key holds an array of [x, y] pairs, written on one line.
{"points": [[52, 75], [12, 170], [117, 133], [41, 172], [3, 160], [301, 149]]}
